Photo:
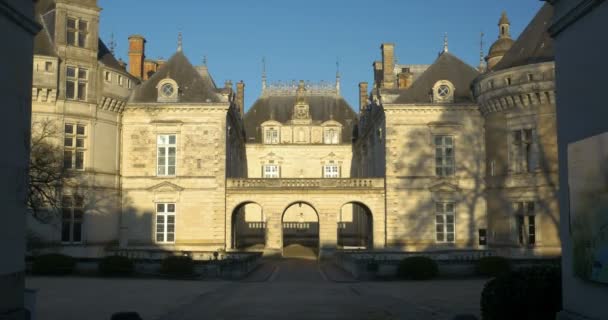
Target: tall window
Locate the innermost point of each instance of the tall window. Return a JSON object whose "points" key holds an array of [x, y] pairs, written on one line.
{"points": [[523, 151], [271, 171], [71, 219], [76, 83], [272, 136], [74, 146], [444, 222], [525, 221], [165, 222], [77, 32], [331, 136], [331, 171], [444, 156], [166, 155]]}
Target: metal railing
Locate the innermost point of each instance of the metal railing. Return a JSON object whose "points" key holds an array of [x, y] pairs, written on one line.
{"points": [[291, 183]]}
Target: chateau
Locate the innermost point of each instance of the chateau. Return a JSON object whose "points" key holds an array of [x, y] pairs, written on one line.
{"points": [[156, 156]]}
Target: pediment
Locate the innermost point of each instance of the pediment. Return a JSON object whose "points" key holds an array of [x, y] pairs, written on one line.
{"points": [[271, 156], [443, 187], [165, 186], [331, 155]]}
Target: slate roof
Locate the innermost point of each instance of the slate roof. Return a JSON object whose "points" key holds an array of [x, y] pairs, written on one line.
{"points": [[280, 108], [105, 56], [446, 67], [192, 87], [534, 45]]}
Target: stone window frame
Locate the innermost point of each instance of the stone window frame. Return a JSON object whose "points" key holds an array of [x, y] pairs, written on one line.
{"points": [[445, 215], [437, 98], [275, 175], [529, 163], [521, 230], [76, 149], [167, 147], [80, 36], [79, 81], [166, 213], [72, 215], [161, 97], [107, 76]]}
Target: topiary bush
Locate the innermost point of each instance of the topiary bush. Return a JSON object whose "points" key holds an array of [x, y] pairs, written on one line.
{"points": [[53, 264], [177, 266], [417, 268], [530, 293], [116, 266], [493, 266]]}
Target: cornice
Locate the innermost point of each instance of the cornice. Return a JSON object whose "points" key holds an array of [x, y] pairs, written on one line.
{"points": [[177, 107], [430, 108]]}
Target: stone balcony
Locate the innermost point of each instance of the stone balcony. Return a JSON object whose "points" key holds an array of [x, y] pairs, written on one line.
{"points": [[305, 183]]}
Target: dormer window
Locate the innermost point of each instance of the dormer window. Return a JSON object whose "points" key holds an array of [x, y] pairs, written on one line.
{"points": [[330, 136], [443, 92], [271, 136], [167, 90]]}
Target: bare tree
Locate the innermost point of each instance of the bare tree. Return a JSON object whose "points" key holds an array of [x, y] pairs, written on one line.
{"points": [[46, 173]]}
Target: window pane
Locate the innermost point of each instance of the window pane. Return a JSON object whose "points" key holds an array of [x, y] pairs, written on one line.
{"points": [[66, 214], [171, 170], [160, 228], [70, 90], [448, 152], [77, 232], [171, 228], [69, 128], [531, 220], [449, 227], [67, 142], [82, 91], [48, 66], [80, 129], [438, 141], [448, 140], [530, 207], [439, 228], [79, 160], [450, 237], [160, 207], [171, 207], [79, 143], [171, 219], [82, 74], [71, 23], [439, 171], [439, 218], [67, 159], [161, 161], [161, 171], [170, 237], [162, 139], [440, 236], [449, 207], [171, 139], [449, 171], [82, 25], [65, 232], [171, 151], [71, 38], [160, 237], [449, 218], [78, 214], [78, 201], [71, 72]]}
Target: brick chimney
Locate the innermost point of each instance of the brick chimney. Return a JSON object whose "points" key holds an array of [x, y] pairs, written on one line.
{"points": [[137, 48], [388, 65], [240, 96], [362, 96]]}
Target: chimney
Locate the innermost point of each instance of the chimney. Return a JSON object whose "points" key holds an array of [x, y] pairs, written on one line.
{"points": [[377, 74], [362, 96], [240, 97], [150, 68], [137, 45], [388, 65], [405, 78]]}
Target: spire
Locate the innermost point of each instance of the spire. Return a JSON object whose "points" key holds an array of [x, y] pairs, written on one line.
{"points": [[445, 42], [504, 26], [263, 74], [337, 76], [481, 53], [112, 43], [179, 42], [205, 60]]}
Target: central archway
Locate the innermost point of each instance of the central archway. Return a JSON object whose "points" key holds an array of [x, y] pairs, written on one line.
{"points": [[300, 229]]}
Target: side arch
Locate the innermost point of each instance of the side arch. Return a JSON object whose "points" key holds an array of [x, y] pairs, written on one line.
{"points": [[248, 227], [355, 226]]}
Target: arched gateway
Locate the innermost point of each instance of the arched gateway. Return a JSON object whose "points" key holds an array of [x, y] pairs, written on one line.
{"points": [[315, 214]]}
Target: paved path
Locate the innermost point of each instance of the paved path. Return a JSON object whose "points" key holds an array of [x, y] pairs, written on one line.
{"points": [[280, 289]]}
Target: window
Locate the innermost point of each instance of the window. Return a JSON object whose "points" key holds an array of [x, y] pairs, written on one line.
{"points": [[525, 222], [165, 222], [331, 136], [74, 146], [271, 136], [48, 66], [72, 212], [491, 84], [444, 222], [77, 32], [530, 77], [120, 81], [523, 150], [108, 76], [444, 156], [331, 171], [508, 81], [76, 83], [166, 144], [271, 171], [129, 83]]}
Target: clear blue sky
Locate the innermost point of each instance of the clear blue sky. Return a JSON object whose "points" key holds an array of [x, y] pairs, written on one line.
{"points": [[303, 39]]}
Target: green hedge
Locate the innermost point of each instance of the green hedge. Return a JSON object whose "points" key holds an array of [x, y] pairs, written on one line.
{"points": [[53, 264], [116, 266], [493, 266], [417, 268], [177, 266], [530, 293]]}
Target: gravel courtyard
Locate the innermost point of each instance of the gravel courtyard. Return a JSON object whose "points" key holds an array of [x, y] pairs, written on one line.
{"points": [[280, 289]]}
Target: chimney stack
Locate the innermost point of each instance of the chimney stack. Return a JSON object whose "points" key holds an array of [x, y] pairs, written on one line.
{"points": [[362, 96], [377, 74], [388, 65], [405, 78], [240, 97], [137, 46]]}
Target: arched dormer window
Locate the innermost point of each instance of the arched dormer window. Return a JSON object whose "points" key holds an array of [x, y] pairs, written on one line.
{"points": [[443, 92], [271, 132], [332, 132], [167, 90]]}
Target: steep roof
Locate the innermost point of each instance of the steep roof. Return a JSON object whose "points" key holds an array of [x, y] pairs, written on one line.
{"points": [[105, 56], [534, 45], [192, 87], [280, 108], [446, 67]]}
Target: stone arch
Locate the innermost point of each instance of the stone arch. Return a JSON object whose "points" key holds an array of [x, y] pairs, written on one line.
{"points": [[248, 226], [355, 226], [300, 221]]}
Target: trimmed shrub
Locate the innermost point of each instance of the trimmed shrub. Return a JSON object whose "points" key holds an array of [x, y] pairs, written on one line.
{"points": [[493, 266], [53, 264], [177, 266], [116, 266], [418, 268], [530, 293]]}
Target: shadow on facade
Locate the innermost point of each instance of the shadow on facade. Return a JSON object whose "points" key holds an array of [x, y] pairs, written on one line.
{"points": [[355, 227]]}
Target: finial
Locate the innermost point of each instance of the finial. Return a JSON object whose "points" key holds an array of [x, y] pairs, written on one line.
{"points": [[337, 67], [445, 42], [481, 65], [179, 41], [263, 74], [112, 43], [205, 60]]}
